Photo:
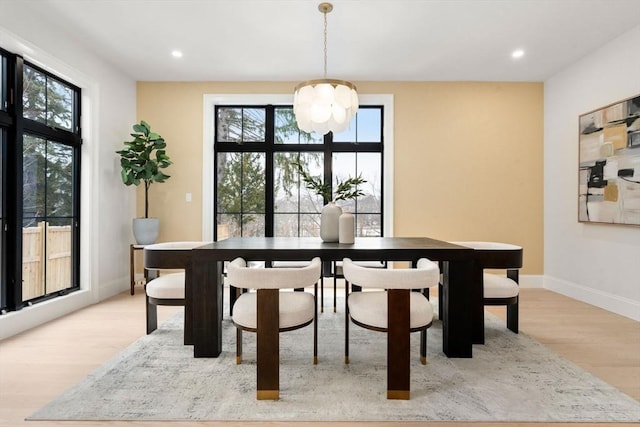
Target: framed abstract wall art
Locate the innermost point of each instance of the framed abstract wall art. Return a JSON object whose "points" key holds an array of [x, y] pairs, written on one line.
{"points": [[609, 164]]}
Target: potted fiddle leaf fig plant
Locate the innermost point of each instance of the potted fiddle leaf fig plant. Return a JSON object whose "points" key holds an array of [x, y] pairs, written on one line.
{"points": [[332, 219], [142, 161]]}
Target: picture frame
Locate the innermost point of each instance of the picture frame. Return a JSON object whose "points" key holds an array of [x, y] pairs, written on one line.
{"points": [[609, 164]]}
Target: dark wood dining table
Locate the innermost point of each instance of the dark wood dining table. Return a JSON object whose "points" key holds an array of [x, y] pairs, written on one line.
{"points": [[462, 291]]}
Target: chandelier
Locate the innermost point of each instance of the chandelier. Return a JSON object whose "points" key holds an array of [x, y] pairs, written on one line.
{"points": [[325, 105]]}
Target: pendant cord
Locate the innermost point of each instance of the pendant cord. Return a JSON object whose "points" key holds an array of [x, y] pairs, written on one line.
{"points": [[325, 44]]}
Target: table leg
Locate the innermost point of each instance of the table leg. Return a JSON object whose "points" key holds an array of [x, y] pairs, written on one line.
{"points": [[477, 293], [206, 300], [457, 309]]}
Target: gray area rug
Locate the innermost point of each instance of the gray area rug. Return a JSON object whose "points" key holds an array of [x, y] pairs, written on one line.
{"points": [[510, 378]]}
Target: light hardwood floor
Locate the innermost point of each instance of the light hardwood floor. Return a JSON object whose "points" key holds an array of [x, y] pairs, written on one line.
{"points": [[39, 364]]}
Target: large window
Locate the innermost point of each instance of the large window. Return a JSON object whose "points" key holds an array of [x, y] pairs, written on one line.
{"points": [[40, 171], [258, 191]]}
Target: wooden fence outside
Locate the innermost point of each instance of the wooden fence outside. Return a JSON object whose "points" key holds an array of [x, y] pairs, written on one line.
{"points": [[52, 254]]}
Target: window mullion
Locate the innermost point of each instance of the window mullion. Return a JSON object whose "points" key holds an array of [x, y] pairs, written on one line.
{"points": [[269, 221]]}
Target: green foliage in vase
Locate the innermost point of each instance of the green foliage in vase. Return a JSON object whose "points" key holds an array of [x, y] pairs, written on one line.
{"points": [[142, 160], [345, 190]]}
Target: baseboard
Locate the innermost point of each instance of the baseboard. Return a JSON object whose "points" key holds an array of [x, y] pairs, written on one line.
{"points": [[616, 304], [19, 321], [15, 322]]}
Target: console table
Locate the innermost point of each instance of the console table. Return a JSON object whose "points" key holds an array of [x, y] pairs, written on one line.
{"points": [[133, 248]]}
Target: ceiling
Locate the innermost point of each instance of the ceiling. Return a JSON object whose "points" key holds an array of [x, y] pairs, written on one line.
{"points": [[368, 40]]}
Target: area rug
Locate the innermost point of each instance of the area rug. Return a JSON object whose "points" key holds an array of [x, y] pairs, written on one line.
{"points": [[510, 378]]}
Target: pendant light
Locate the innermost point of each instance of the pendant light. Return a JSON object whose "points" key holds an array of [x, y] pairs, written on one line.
{"points": [[325, 105]]}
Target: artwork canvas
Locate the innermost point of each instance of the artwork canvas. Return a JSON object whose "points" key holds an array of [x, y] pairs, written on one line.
{"points": [[609, 164]]}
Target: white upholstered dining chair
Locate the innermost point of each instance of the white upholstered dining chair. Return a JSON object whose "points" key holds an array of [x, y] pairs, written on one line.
{"points": [[499, 289], [392, 308], [165, 289], [269, 311]]}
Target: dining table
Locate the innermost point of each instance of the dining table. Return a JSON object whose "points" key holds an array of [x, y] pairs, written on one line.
{"points": [[461, 296]]}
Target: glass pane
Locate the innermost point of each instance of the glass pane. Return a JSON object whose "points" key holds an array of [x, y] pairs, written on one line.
{"points": [[33, 179], [368, 225], [229, 125], [252, 225], [369, 125], [33, 235], [229, 183], [286, 192], [287, 132], [313, 163], [366, 126], [286, 225], [253, 182], [344, 167], [34, 95], [253, 124], [59, 180], [59, 105], [370, 166], [228, 226], [309, 225], [58, 249], [286, 128], [349, 134]]}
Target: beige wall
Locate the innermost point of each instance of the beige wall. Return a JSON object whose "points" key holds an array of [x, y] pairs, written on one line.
{"points": [[468, 158]]}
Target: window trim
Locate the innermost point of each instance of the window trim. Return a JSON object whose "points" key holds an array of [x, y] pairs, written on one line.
{"points": [[208, 167]]}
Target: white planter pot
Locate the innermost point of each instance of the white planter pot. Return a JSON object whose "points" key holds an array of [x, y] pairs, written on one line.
{"points": [[146, 230], [329, 222]]}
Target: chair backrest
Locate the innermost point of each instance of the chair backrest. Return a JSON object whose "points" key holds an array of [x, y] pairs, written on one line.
{"points": [[169, 255], [425, 275], [242, 276], [488, 245]]}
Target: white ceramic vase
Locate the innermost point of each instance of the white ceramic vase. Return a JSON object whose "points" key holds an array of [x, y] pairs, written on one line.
{"points": [[329, 222], [347, 228]]}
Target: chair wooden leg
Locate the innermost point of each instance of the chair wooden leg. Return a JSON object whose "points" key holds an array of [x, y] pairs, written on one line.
{"points": [[238, 346], [322, 293], [398, 344], [512, 317], [512, 310], [335, 289], [268, 382], [233, 295], [346, 325], [152, 316], [440, 300], [315, 324], [423, 347]]}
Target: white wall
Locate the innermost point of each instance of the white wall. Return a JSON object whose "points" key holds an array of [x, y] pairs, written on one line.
{"points": [[595, 263], [107, 206]]}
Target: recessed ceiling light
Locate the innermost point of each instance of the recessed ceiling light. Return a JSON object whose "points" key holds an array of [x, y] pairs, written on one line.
{"points": [[518, 53], [176, 54]]}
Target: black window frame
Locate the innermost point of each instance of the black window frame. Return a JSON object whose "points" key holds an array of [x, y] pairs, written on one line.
{"points": [[14, 126], [269, 146]]}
